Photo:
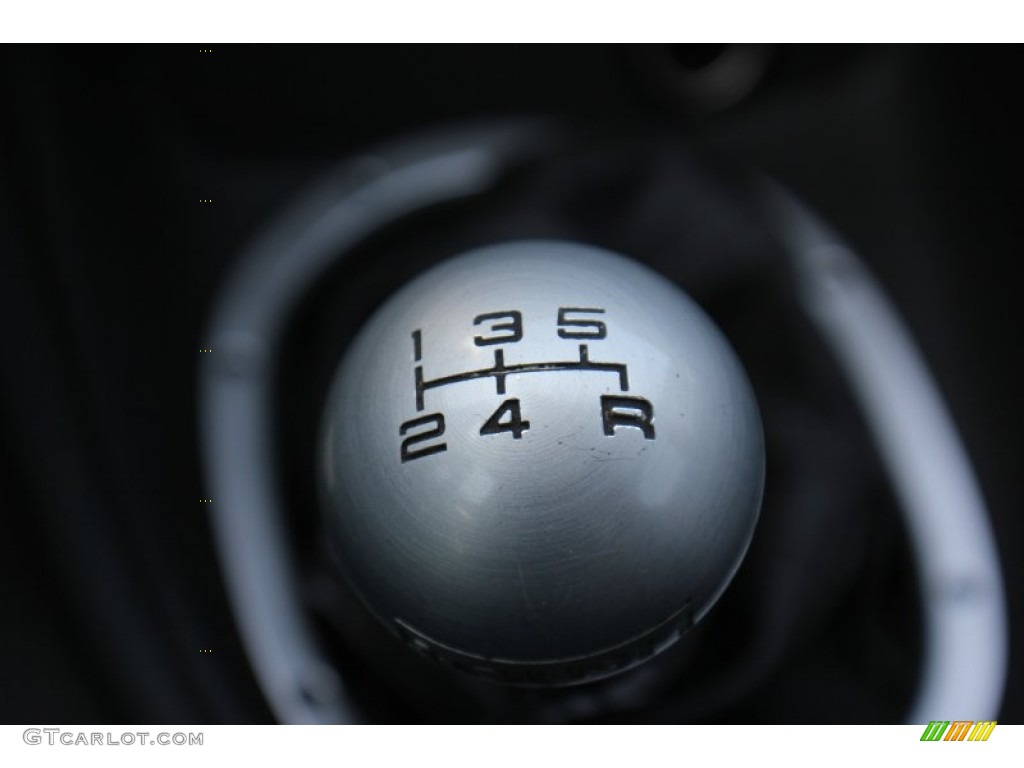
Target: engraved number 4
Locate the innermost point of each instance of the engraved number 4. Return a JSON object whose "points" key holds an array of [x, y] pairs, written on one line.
{"points": [[509, 410]]}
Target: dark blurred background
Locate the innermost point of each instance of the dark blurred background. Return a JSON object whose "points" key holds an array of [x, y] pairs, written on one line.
{"points": [[110, 264]]}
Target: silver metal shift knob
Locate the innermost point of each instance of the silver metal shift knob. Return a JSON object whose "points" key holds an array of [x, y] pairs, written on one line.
{"points": [[541, 463]]}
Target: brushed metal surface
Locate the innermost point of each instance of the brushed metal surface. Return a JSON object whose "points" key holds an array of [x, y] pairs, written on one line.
{"points": [[597, 481]]}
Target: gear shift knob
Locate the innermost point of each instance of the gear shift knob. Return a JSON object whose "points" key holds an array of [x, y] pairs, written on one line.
{"points": [[540, 462]]}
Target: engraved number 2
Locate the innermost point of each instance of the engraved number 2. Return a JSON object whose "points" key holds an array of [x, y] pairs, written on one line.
{"points": [[408, 452]]}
